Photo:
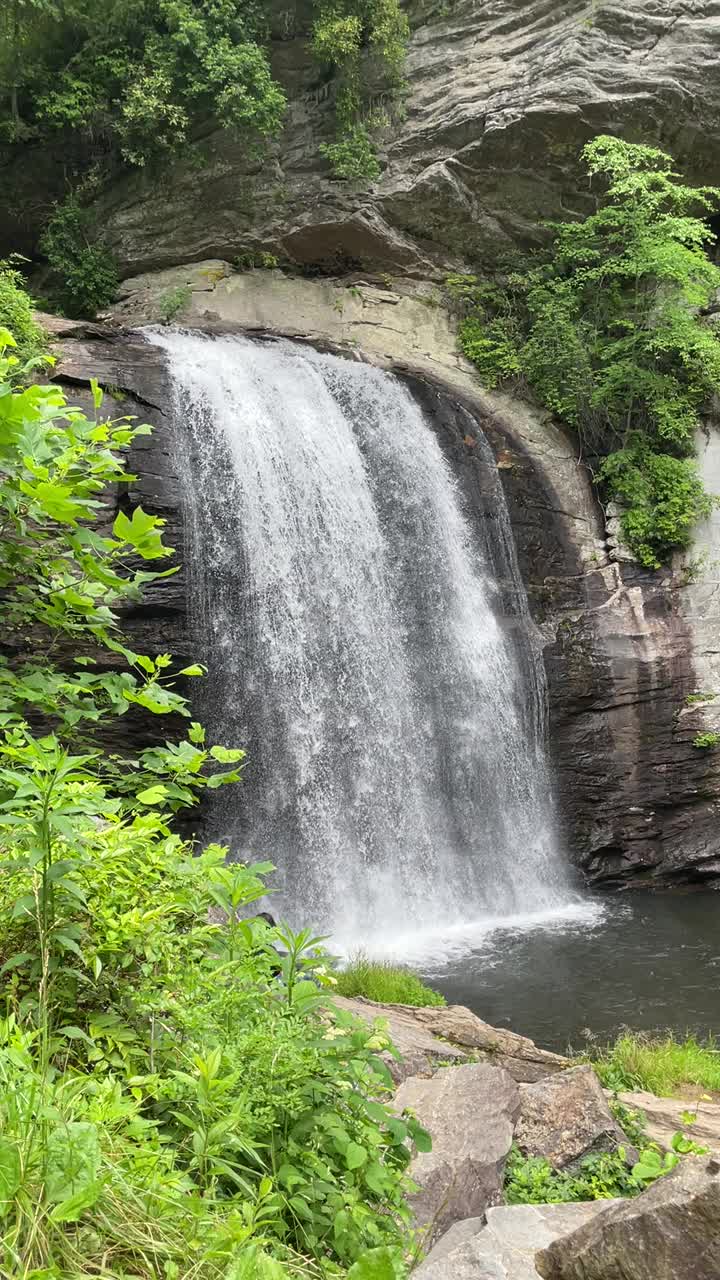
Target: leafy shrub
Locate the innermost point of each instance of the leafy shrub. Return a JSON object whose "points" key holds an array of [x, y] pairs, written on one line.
{"points": [[173, 301], [353, 156], [532, 1179], [385, 982], [706, 741], [343, 30], [658, 1064], [605, 330], [86, 272], [16, 314]]}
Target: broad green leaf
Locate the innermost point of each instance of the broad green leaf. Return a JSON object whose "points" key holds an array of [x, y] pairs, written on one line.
{"points": [[73, 1160], [355, 1155], [71, 1209], [10, 1166], [152, 795], [375, 1264], [195, 670], [227, 755]]}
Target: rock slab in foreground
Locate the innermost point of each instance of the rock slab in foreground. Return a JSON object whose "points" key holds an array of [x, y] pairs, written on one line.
{"points": [[566, 1118], [470, 1112], [670, 1232], [504, 1249], [427, 1036]]}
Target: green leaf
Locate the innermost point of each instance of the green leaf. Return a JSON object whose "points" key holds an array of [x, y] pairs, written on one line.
{"points": [[152, 795], [73, 1160], [10, 1166], [355, 1155], [227, 755], [195, 670], [142, 532], [71, 1209], [375, 1264]]}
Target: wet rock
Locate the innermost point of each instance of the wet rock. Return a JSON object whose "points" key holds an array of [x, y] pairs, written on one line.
{"points": [[566, 1118], [505, 1248], [429, 1036], [670, 1232], [470, 1111]]}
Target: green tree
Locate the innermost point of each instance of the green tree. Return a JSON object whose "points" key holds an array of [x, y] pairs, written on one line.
{"points": [[606, 331]]}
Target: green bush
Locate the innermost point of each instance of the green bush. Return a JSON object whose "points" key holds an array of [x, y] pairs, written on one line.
{"points": [[532, 1179], [385, 982], [178, 1097], [173, 301], [16, 314], [353, 156], [86, 273], [605, 330]]}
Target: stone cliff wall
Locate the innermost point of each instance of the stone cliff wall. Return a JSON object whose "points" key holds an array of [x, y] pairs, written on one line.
{"points": [[500, 97], [623, 648]]}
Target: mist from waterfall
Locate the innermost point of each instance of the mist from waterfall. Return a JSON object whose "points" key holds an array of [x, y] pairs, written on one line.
{"points": [[357, 649]]}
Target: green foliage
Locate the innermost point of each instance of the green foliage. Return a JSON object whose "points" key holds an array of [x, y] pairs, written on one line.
{"points": [[694, 698], [353, 155], [532, 1179], [344, 32], [16, 314], [173, 301], [706, 741], [178, 1097], [385, 982], [660, 1065], [250, 261], [85, 272], [135, 74], [605, 330]]}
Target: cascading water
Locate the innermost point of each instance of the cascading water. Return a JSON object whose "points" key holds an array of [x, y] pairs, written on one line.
{"points": [[395, 766]]}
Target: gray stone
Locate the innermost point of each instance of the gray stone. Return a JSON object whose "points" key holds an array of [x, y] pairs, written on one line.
{"points": [[470, 1112], [566, 1117], [426, 1037], [505, 1248], [670, 1232], [664, 1117]]}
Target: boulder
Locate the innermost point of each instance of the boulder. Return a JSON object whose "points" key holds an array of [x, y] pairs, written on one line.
{"points": [[566, 1117], [671, 1232], [428, 1036], [505, 1248], [470, 1111], [663, 1118]]}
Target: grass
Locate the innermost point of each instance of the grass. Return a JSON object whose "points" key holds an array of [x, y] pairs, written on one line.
{"points": [[387, 983], [659, 1064]]}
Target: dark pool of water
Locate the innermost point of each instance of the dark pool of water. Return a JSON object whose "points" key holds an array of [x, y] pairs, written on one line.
{"points": [[648, 961]]}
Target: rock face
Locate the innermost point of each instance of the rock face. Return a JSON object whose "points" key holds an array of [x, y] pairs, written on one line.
{"points": [[565, 1118], [505, 1248], [427, 1037], [470, 1112], [500, 98], [671, 1232], [623, 648]]}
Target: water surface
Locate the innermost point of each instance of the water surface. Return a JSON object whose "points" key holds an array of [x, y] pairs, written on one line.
{"points": [[649, 961]]}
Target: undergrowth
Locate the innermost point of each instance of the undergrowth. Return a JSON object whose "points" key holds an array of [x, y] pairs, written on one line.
{"points": [[658, 1064], [179, 1099], [605, 329], [385, 982]]}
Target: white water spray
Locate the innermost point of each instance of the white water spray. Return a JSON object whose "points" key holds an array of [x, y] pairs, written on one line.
{"points": [[396, 772]]}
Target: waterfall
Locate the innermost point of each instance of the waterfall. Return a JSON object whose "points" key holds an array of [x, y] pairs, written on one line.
{"points": [[353, 630]]}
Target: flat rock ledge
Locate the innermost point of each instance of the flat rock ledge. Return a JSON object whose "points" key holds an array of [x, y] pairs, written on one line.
{"points": [[427, 1038]]}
